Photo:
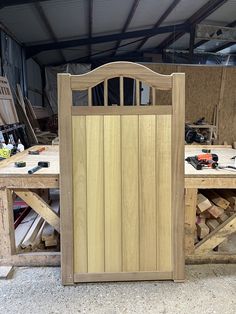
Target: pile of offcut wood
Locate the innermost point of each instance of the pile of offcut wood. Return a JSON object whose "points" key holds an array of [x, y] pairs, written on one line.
{"points": [[35, 234], [213, 208]]}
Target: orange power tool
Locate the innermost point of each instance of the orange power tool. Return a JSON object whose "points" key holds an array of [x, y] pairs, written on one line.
{"points": [[203, 160]]}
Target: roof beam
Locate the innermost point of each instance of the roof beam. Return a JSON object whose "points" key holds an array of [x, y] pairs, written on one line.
{"points": [[9, 3], [34, 49], [127, 22], [161, 20], [197, 17], [227, 45], [202, 42], [90, 26], [47, 25]]}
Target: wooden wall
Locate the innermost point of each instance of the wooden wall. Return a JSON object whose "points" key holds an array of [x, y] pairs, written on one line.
{"points": [[204, 87]]}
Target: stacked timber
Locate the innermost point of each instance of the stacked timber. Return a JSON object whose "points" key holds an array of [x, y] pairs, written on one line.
{"points": [[35, 234], [214, 207]]}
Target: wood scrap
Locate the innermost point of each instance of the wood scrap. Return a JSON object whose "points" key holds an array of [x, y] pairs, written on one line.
{"points": [[38, 239], [48, 232], [20, 97], [30, 113], [202, 203], [33, 231], [49, 235], [230, 196], [52, 242], [215, 198], [212, 224], [202, 230], [23, 228], [215, 211], [6, 272], [222, 218]]}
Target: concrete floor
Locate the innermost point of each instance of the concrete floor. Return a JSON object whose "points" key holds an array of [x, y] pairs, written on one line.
{"points": [[208, 289]]}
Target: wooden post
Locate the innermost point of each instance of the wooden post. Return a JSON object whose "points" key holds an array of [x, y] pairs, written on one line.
{"points": [[137, 92], [190, 218], [105, 91], [177, 129], [65, 134], [7, 235], [121, 91]]}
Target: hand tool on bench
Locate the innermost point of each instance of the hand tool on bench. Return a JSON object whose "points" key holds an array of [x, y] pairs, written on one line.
{"points": [[36, 151], [20, 164], [41, 164], [203, 160]]}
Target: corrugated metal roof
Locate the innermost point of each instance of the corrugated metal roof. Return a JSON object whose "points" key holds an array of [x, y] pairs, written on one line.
{"points": [[70, 20]]}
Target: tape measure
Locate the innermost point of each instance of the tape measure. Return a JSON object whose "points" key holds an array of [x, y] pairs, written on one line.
{"points": [[20, 164], [5, 152]]}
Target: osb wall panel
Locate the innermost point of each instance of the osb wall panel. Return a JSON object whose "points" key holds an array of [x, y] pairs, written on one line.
{"points": [[163, 97], [202, 95], [227, 112]]}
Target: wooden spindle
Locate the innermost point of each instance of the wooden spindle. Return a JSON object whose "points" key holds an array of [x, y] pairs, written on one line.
{"points": [[90, 97], [121, 91], [153, 96], [137, 93], [105, 92]]}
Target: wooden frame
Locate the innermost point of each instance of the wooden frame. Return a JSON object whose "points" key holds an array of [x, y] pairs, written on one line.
{"points": [[68, 83]]}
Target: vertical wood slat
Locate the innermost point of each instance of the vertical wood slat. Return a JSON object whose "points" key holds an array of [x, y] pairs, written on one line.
{"points": [[153, 96], [177, 138], [137, 92], [95, 193], [163, 193], [80, 192], [112, 191], [7, 238], [105, 92], [147, 193], [130, 193], [66, 187], [90, 97], [121, 91]]}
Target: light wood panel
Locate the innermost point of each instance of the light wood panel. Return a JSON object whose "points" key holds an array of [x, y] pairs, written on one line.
{"points": [[163, 193], [95, 193], [147, 193], [80, 193], [117, 69], [130, 192], [112, 193]]}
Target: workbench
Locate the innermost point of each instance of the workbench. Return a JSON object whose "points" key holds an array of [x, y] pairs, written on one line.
{"points": [[19, 181], [207, 179]]}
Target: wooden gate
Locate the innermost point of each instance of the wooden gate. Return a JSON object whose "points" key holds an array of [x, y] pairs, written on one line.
{"points": [[121, 179]]}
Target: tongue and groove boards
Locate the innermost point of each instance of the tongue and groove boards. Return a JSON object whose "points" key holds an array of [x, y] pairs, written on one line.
{"points": [[122, 175]]}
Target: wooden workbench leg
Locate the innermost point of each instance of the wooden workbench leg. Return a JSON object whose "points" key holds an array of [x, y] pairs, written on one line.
{"points": [[190, 219], [7, 234]]}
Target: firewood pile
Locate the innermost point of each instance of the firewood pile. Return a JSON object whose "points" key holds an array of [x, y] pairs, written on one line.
{"points": [[214, 207]]}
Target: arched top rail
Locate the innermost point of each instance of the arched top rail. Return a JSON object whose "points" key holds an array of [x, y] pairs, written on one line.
{"points": [[121, 69]]}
